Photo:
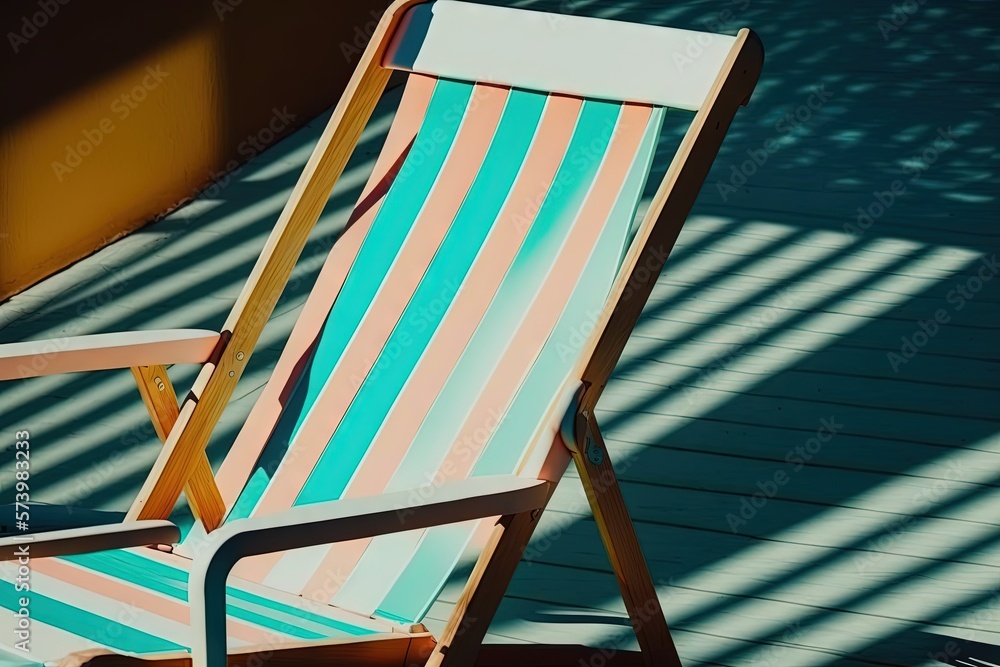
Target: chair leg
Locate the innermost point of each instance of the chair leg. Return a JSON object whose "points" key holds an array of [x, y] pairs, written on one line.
{"points": [[462, 637], [161, 403], [460, 642], [622, 544]]}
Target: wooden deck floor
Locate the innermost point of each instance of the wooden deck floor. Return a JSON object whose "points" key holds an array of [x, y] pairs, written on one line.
{"points": [[762, 366]]}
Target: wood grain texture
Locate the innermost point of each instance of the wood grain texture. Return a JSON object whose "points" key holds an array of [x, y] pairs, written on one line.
{"points": [[159, 397], [622, 545], [463, 636], [161, 402], [256, 302], [89, 539], [99, 352], [702, 636]]}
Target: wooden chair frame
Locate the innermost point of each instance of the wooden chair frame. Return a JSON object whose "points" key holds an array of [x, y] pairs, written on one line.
{"points": [[183, 466]]}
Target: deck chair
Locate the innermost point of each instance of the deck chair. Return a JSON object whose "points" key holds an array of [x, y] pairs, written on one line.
{"points": [[442, 374]]}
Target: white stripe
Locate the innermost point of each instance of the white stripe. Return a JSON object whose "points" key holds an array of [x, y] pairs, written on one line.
{"points": [[442, 424], [276, 477], [378, 568], [295, 568], [583, 56], [377, 571], [321, 609]]}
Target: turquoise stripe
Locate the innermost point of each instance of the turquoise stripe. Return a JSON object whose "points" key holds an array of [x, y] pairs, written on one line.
{"points": [[430, 301], [559, 356], [135, 570], [441, 426], [527, 273], [389, 230], [388, 555], [528, 268], [436, 554], [173, 582], [427, 573], [255, 486], [113, 634]]}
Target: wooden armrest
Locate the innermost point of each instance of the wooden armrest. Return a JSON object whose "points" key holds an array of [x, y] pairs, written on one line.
{"points": [[89, 539], [105, 352], [338, 521]]}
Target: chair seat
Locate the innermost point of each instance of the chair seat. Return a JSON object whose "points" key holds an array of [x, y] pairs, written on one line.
{"points": [[134, 602]]}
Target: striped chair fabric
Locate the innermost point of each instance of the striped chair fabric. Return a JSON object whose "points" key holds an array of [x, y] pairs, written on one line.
{"points": [[438, 344]]}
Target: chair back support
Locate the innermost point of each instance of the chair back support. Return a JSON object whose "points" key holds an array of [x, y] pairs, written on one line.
{"points": [[443, 334], [588, 57]]}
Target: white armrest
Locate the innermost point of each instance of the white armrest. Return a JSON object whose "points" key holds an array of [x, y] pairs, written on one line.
{"points": [[338, 521], [105, 352], [91, 538]]}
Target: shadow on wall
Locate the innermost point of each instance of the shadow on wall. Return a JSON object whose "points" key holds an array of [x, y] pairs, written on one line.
{"points": [[124, 110], [805, 420]]}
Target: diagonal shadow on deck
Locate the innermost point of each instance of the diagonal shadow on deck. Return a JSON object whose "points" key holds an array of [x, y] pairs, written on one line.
{"points": [[769, 322]]}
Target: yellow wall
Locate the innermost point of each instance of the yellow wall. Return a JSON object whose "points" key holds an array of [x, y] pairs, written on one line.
{"points": [[121, 110]]}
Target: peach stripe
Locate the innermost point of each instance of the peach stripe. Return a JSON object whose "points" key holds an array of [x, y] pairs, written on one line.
{"points": [[119, 591], [239, 463], [428, 231], [544, 312], [393, 441]]}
